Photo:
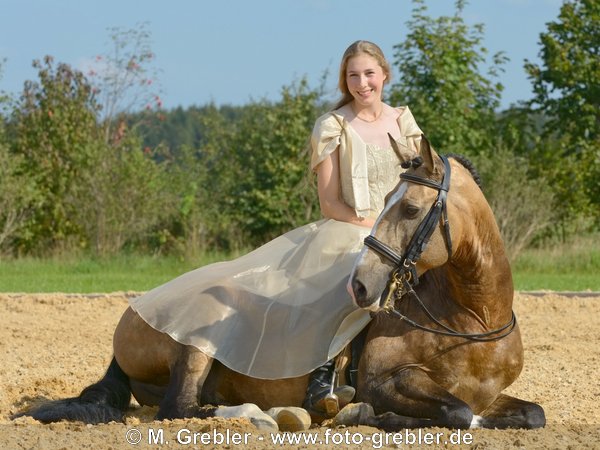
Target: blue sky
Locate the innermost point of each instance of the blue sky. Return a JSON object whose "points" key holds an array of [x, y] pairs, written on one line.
{"points": [[233, 51]]}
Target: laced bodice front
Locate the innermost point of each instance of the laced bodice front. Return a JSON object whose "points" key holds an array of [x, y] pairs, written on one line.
{"points": [[384, 173]]}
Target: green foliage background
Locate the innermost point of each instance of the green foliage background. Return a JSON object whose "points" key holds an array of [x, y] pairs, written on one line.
{"points": [[80, 174]]}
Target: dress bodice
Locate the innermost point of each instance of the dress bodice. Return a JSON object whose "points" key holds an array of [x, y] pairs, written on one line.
{"points": [[332, 132], [384, 173], [383, 170]]}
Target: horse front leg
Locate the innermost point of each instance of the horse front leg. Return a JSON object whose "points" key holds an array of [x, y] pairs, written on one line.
{"points": [[408, 399], [511, 412], [188, 373]]}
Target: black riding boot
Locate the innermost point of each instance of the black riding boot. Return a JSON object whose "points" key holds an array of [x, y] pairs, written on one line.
{"points": [[320, 399]]}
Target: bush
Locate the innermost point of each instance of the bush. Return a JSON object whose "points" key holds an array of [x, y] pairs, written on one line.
{"points": [[16, 196], [122, 199], [522, 205]]}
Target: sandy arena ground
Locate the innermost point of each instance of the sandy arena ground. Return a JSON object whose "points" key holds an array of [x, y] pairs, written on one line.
{"points": [[53, 345]]}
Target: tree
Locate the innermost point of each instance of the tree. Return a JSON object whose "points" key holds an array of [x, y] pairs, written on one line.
{"points": [[567, 90], [3, 96], [202, 182], [17, 196], [122, 198], [271, 194], [55, 122], [439, 67], [124, 78], [567, 85], [17, 193], [94, 193], [521, 203]]}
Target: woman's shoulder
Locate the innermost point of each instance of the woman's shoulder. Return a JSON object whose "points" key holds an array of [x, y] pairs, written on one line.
{"points": [[329, 123], [325, 137]]}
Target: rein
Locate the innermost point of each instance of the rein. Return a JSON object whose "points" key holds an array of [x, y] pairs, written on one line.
{"points": [[404, 276]]}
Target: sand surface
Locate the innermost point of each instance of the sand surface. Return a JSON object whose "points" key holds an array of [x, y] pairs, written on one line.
{"points": [[53, 345]]}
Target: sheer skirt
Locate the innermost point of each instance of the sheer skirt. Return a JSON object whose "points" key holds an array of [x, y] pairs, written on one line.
{"points": [[279, 311]]}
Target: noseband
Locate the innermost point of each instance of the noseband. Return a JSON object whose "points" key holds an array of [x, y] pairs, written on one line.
{"points": [[404, 277]]}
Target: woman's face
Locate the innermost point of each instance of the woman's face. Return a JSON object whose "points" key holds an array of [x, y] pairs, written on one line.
{"points": [[365, 78]]}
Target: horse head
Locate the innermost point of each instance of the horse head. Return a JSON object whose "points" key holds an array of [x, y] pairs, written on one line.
{"points": [[395, 239]]}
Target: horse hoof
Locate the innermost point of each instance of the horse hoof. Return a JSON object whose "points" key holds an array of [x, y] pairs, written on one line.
{"points": [[257, 417], [290, 418], [324, 406], [354, 414]]}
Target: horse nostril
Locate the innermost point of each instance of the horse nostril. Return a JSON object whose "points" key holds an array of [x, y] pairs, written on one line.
{"points": [[359, 289]]}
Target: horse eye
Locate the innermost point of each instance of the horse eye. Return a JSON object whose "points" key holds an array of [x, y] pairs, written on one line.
{"points": [[411, 211]]}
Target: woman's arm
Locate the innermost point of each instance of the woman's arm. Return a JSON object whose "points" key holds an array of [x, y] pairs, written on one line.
{"points": [[330, 199]]}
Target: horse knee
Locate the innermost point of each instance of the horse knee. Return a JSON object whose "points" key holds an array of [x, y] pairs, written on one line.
{"points": [[456, 415]]}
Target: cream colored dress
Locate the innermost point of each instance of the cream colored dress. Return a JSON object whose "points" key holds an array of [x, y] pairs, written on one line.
{"points": [[283, 309]]}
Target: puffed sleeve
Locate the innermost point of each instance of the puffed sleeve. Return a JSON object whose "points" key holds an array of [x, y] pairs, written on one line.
{"points": [[409, 129], [325, 138]]}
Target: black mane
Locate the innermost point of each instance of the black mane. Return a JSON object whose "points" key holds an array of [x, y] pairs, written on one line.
{"points": [[467, 164]]}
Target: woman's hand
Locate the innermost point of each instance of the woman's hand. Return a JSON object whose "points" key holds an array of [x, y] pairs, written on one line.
{"points": [[330, 198]]}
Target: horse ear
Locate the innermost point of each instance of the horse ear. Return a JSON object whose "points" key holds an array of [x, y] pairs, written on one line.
{"points": [[403, 153], [428, 154]]}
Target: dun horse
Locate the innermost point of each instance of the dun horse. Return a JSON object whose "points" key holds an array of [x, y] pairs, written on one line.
{"points": [[446, 343], [415, 370]]}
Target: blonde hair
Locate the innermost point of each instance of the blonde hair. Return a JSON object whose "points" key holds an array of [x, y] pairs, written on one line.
{"points": [[357, 48]]}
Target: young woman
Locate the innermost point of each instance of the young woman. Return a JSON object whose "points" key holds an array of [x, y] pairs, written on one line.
{"points": [[354, 162], [283, 309]]}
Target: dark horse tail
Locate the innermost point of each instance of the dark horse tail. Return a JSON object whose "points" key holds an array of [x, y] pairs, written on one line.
{"points": [[102, 402]]}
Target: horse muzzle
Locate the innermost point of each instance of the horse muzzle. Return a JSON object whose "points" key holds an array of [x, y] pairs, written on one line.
{"points": [[364, 288]]}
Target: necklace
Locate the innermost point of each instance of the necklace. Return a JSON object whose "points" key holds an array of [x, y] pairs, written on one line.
{"points": [[377, 116]]}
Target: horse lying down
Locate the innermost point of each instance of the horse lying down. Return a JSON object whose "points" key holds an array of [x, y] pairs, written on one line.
{"points": [[442, 346]]}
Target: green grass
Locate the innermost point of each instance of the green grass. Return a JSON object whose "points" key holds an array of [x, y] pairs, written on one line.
{"points": [[574, 266], [536, 281], [89, 275]]}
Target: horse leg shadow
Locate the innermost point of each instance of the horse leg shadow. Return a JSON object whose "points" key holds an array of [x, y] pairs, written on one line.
{"points": [[511, 412], [187, 375]]}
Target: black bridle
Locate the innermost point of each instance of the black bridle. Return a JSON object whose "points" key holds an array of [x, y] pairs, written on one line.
{"points": [[404, 277], [405, 264]]}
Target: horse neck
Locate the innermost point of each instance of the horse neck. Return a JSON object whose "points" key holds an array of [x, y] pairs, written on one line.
{"points": [[478, 274]]}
